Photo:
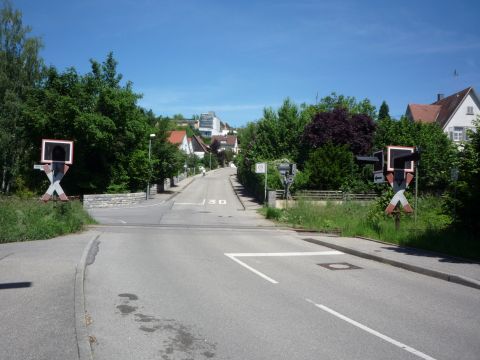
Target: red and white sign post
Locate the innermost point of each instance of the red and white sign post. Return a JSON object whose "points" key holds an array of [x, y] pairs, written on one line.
{"points": [[55, 177], [399, 174], [56, 154]]}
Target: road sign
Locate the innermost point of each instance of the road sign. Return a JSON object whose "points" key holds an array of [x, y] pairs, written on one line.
{"points": [[396, 153], [260, 168], [378, 178], [57, 151]]}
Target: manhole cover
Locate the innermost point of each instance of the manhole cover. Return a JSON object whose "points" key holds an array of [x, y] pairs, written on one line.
{"points": [[339, 266]]}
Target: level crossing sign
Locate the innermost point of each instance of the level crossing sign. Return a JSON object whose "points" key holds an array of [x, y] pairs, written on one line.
{"points": [[56, 154]]}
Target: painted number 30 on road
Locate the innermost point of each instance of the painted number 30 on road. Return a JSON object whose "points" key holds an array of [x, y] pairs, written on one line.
{"points": [[220, 202]]}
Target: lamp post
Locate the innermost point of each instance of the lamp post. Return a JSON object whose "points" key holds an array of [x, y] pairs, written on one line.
{"points": [[150, 170]]}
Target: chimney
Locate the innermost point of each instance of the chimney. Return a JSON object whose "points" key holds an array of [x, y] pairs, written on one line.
{"points": [[440, 96]]}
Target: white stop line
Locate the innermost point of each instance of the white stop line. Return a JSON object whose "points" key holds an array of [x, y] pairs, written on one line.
{"points": [[234, 257]]}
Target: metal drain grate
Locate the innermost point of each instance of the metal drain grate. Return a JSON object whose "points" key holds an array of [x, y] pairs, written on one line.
{"points": [[339, 266]]}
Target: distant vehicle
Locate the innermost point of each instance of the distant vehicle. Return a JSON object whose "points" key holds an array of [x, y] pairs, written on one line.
{"points": [[232, 165]]}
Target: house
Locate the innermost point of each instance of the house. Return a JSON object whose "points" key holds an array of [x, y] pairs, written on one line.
{"points": [[209, 124], [199, 148], [454, 113], [229, 142], [179, 138], [227, 129]]}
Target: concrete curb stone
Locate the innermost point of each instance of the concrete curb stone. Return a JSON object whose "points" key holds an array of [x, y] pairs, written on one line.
{"points": [[81, 333]]}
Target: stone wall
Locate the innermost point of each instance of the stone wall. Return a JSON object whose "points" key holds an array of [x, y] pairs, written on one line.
{"points": [[112, 200]]}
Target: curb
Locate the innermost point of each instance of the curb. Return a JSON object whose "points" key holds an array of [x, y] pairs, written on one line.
{"points": [[81, 333], [178, 192], [235, 191], [458, 279]]}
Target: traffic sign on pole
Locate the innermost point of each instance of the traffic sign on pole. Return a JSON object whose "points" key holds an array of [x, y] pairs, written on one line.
{"points": [[260, 168]]}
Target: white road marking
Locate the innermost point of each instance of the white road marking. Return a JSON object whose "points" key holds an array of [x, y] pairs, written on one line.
{"points": [[194, 204], [252, 269], [222, 202], [212, 202], [373, 332], [234, 256]]}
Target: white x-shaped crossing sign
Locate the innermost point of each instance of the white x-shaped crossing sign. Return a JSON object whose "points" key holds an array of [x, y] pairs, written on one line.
{"points": [[55, 178], [399, 196]]}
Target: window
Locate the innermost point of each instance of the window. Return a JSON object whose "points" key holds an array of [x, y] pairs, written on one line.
{"points": [[469, 110], [458, 133]]}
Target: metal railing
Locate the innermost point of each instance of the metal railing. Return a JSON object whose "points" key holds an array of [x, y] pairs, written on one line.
{"points": [[326, 195]]}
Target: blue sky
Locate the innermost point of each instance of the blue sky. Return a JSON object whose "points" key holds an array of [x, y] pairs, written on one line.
{"points": [[237, 57]]}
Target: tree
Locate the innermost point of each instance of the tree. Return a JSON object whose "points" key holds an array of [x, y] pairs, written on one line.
{"points": [[383, 113], [329, 167], [110, 131], [333, 101], [463, 196], [20, 71], [341, 128]]}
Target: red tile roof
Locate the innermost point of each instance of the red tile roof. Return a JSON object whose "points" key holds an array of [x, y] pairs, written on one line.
{"points": [[440, 111], [424, 113], [176, 137]]}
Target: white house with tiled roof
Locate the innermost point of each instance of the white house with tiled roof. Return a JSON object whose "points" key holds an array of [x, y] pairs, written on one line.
{"points": [[454, 113]]}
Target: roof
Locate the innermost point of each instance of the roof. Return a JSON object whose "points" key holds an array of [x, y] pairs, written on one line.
{"points": [[449, 105], [198, 145], [440, 111], [176, 136], [424, 113], [228, 139]]}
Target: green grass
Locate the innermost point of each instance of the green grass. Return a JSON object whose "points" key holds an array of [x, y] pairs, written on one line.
{"points": [[430, 232], [30, 219]]}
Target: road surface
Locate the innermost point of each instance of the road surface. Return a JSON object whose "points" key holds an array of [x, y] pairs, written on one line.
{"points": [[198, 277]]}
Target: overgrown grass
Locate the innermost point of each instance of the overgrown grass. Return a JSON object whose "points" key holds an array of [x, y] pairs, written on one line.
{"points": [[431, 230], [30, 219]]}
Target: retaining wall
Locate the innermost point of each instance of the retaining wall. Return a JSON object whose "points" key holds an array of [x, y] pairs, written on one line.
{"points": [[112, 200]]}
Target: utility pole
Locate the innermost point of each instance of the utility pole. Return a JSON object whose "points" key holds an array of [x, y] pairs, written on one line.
{"points": [[149, 164]]}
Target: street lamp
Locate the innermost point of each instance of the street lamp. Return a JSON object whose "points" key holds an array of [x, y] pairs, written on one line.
{"points": [[149, 164]]}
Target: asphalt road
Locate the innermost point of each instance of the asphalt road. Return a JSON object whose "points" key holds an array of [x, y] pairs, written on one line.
{"points": [[197, 277]]}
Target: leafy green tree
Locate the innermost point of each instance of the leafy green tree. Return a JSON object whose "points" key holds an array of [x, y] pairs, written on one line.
{"points": [[103, 119], [384, 111], [20, 71], [333, 101], [463, 196], [329, 167]]}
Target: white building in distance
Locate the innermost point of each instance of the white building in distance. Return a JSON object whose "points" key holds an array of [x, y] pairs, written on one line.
{"points": [[209, 124]]}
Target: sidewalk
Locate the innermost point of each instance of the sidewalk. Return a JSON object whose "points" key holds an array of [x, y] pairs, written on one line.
{"points": [[173, 191], [460, 271]]}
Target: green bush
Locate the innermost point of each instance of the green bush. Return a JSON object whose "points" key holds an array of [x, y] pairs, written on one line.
{"points": [[22, 220]]}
